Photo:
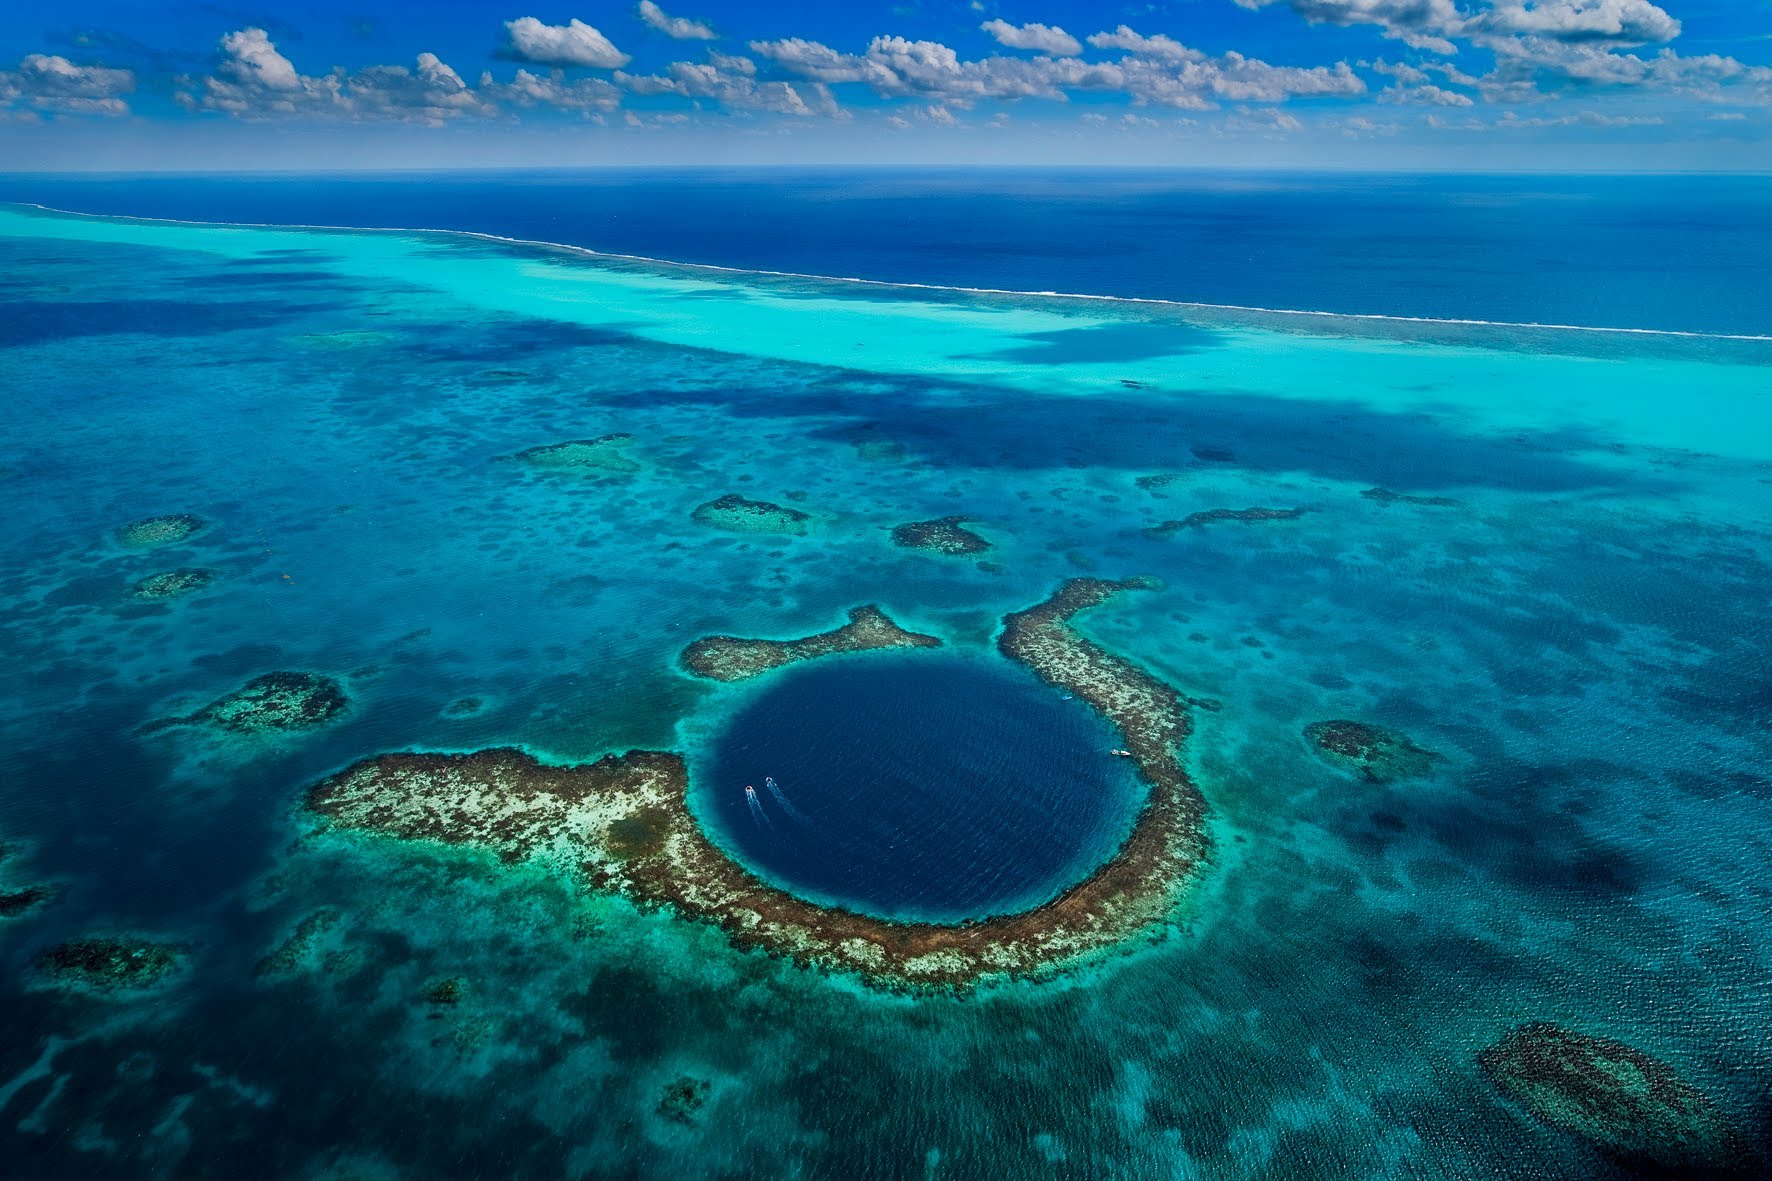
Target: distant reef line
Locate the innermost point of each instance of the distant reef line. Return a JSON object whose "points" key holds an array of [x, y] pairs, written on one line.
{"points": [[1674, 342]]}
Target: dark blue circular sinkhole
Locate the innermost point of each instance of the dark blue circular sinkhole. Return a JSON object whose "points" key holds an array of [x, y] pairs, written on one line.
{"points": [[927, 786]]}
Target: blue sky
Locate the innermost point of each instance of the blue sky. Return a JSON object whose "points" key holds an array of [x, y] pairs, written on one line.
{"points": [[1482, 84]]}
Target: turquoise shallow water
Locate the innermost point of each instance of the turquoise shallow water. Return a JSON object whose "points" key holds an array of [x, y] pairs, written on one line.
{"points": [[1580, 634]]}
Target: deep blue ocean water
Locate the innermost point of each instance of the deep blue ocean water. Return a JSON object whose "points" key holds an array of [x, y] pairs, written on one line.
{"points": [[1542, 555], [1671, 252], [919, 787]]}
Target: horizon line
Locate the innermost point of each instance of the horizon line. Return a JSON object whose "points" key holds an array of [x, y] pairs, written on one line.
{"points": [[888, 166]]}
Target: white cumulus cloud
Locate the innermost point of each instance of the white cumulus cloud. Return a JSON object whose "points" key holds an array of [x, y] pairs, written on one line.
{"points": [[731, 81], [572, 44], [1436, 24], [1422, 24], [1635, 22], [255, 81], [54, 85], [1158, 46], [1428, 94], [1043, 38], [682, 28], [1172, 75], [1580, 119], [587, 95]]}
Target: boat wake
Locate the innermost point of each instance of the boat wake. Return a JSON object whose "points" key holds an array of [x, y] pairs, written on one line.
{"points": [[774, 789]]}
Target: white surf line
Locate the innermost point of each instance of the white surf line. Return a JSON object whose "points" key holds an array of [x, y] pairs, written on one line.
{"points": [[905, 284]]}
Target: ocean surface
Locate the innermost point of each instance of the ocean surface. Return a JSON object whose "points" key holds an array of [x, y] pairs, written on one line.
{"points": [[1544, 554], [1671, 252], [931, 787]]}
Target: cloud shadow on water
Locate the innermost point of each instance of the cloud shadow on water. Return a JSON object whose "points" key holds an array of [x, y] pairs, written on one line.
{"points": [[29, 323], [983, 426]]}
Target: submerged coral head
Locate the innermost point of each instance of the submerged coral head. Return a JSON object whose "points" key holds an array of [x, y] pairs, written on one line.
{"points": [[110, 963], [153, 532], [272, 703], [1379, 754], [1628, 1103], [944, 535], [736, 514]]}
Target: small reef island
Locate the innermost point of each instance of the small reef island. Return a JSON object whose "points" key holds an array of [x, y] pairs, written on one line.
{"points": [[623, 823]]}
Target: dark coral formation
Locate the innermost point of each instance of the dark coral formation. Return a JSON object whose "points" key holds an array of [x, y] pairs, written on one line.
{"points": [[111, 964], [446, 992], [1386, 496], [1627, 1103], [880, 450], [342, 340], [16, 900], [14, 903], [170, 584], [152, 532], [623, 824], [1155, 484], [1380, 755], [275, 702], [945, 535], [682, 1098], [606, 453], [738, 515], [296, 951], [1214, 515], [731, 658]]}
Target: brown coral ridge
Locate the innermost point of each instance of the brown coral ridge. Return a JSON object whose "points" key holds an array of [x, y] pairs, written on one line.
{"points": [[1386, 496], [1214, 515], [944, 535], [732, 658], [1626, 1102], [623, 824]]}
